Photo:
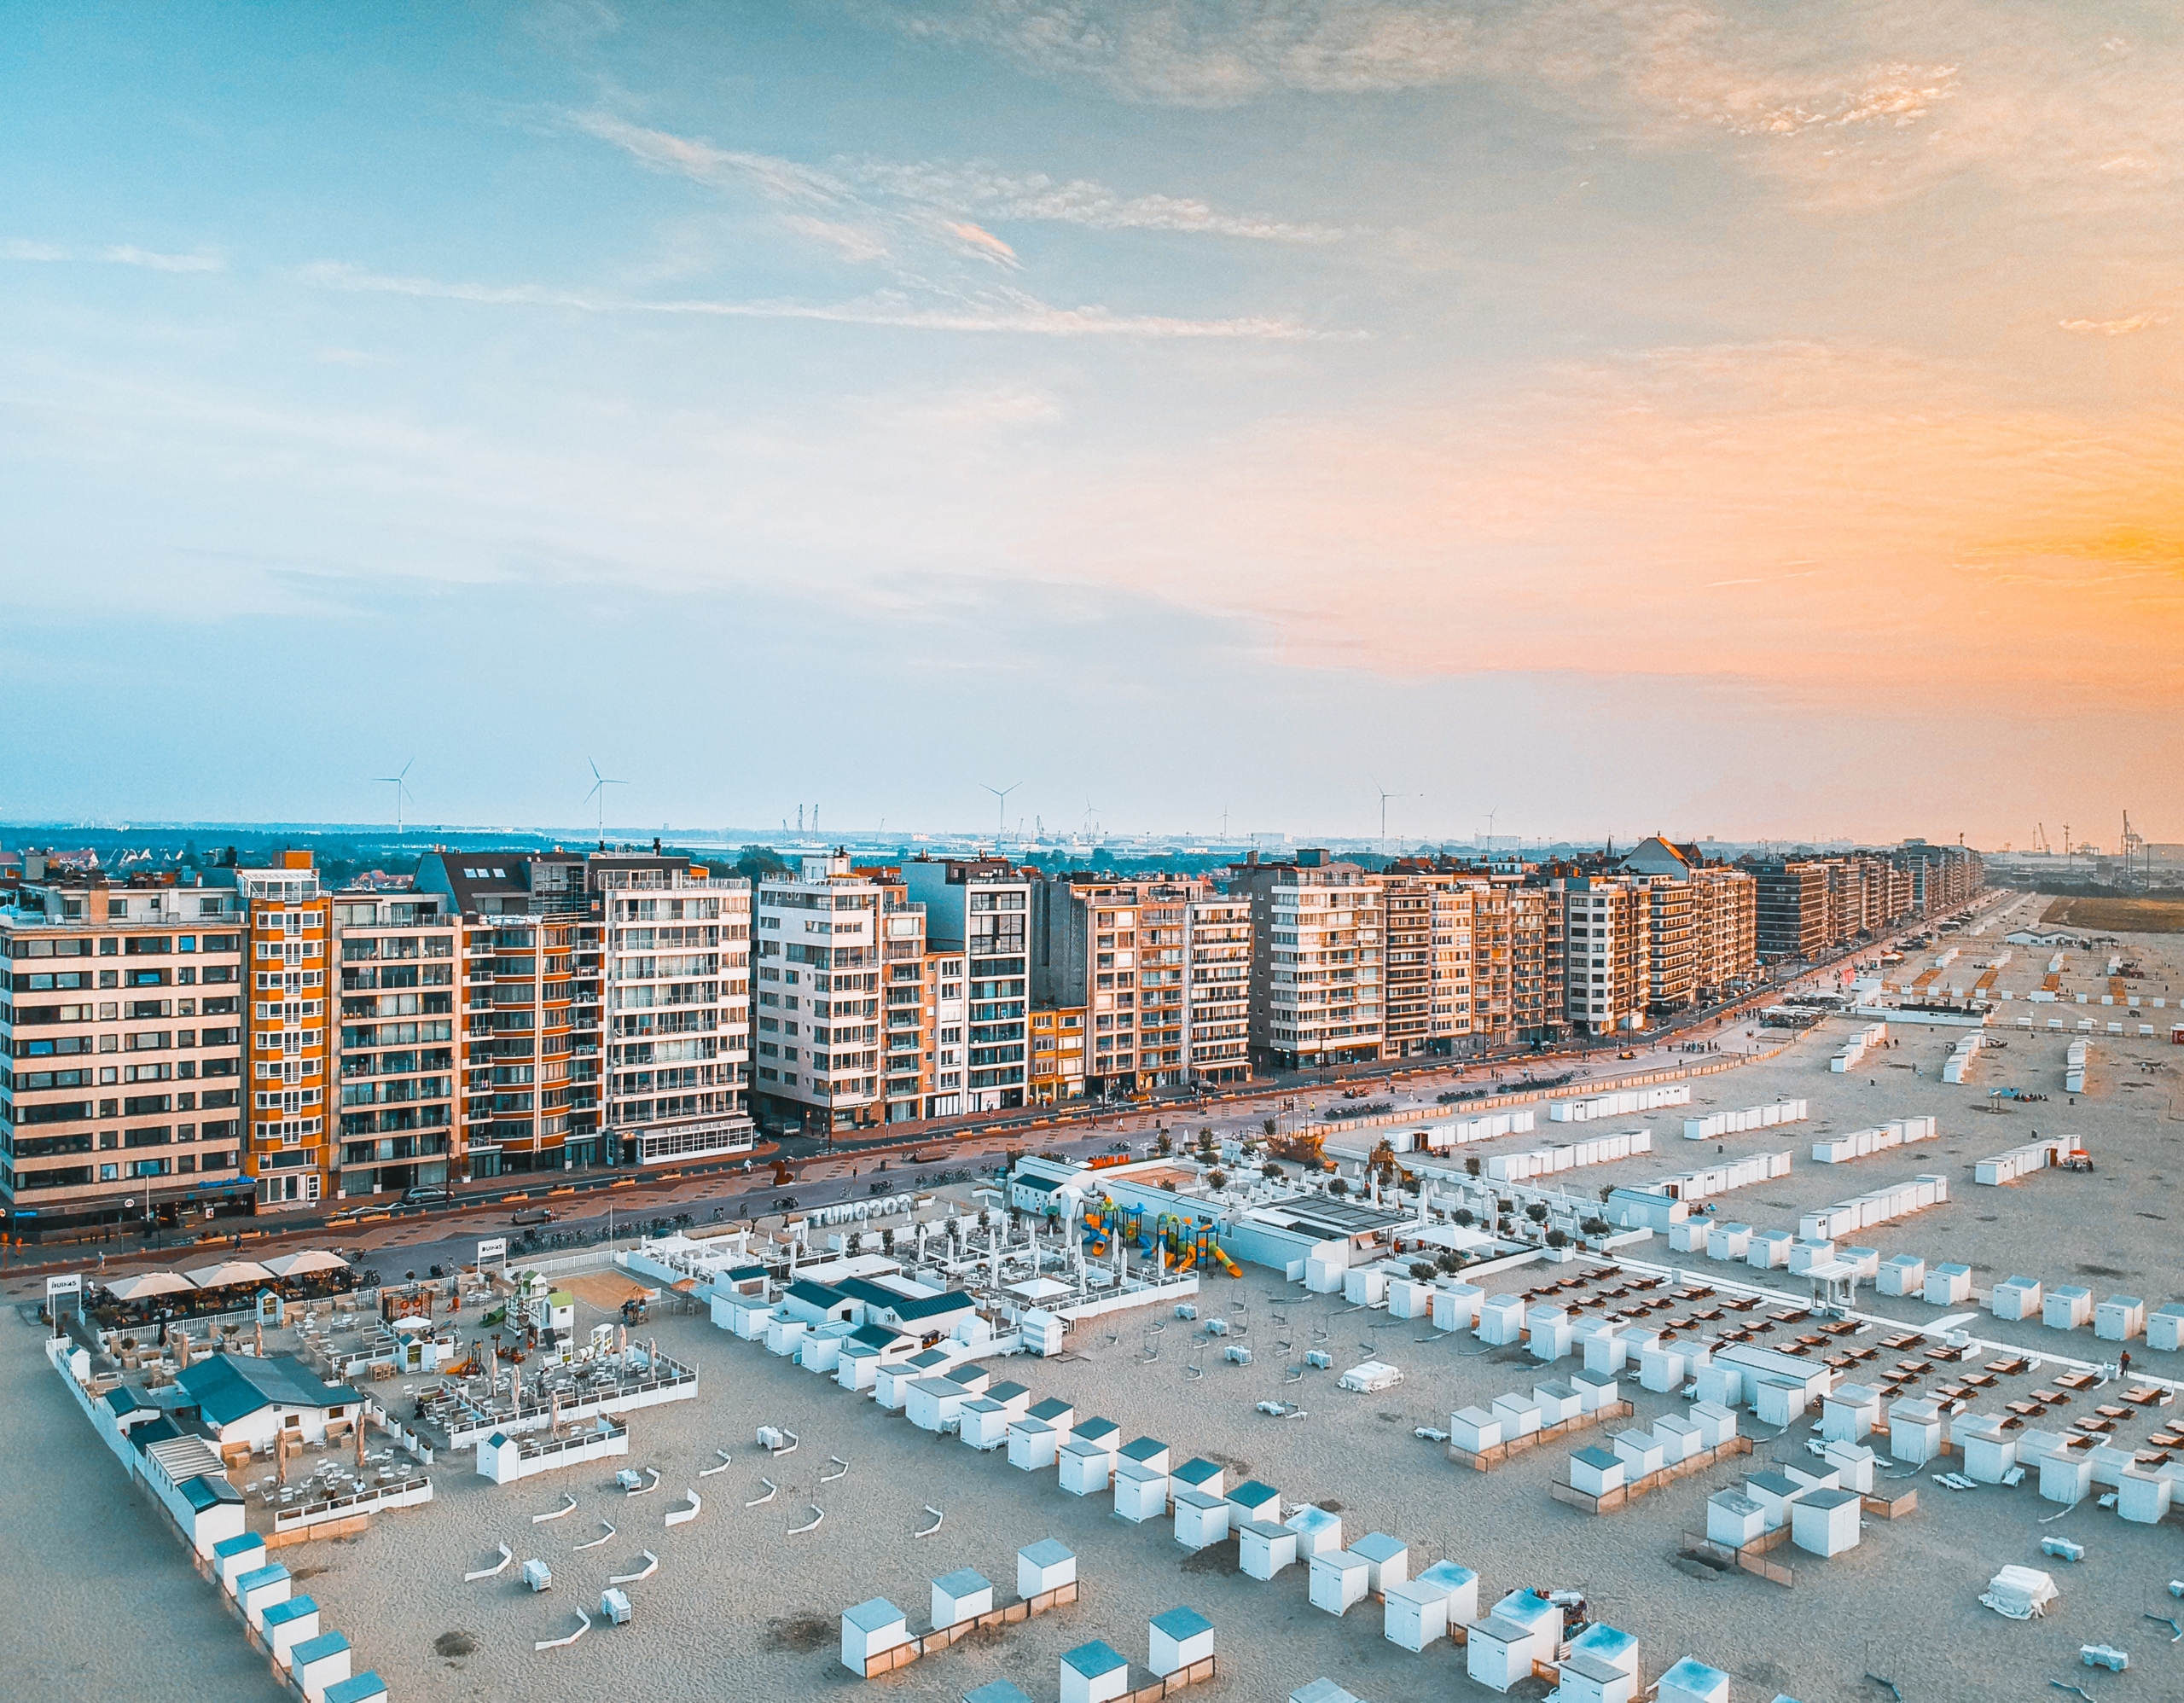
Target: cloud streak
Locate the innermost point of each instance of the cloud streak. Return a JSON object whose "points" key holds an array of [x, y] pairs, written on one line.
{"points": [[1857, 103], [2112, 328], [1015, 312], [120, 254], [977, 189]]}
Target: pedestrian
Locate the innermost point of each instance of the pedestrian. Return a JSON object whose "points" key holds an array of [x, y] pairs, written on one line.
{"points": [[2125, 1364]]}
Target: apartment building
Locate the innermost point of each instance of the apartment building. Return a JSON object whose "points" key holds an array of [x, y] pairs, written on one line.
{"points": [[399, 959], [1057, 1054], [911, 1003], [120, 1052], [1160, 967], [1723, 918], [1217, 970], [1431, 914], [1725, 928], [532, 980], [1518, 970], [1317, 988], [677, 944], [1671, 946], [1792, 914], [1807, 906], [977, 920], [1608, 921], [945, 1009], [1939, 877], [288, 1041], [830, 938]]}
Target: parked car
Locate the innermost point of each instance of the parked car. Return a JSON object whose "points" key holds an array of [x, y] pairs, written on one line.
{"points": [[424, 1197]]}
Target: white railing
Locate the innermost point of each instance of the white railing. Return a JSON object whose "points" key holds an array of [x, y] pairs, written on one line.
{"points": [[407, 1494]]}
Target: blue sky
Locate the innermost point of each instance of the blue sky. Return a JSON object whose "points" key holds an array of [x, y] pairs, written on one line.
{"points": [[1611, 417]]}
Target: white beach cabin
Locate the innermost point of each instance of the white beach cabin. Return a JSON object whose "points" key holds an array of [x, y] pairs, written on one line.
{"points": [[1265, 1549], [1084, 1467], [1176, 1640], [289, 1624], [1340, 1580], [1690, 1681], [317, 1663], [1141, 1492], [1093, 1673], [871, 1629], [963, 1594], [1045, 1566], [1201, 1520]]}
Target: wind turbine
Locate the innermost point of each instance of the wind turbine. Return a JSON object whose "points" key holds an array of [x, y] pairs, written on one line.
{"points": [[401, 785], [1001, 794], [1490, 814], [1385, 796], [600, 783]]}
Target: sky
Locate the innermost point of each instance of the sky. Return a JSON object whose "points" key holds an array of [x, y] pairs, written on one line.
{"points": [[1591, 416]]}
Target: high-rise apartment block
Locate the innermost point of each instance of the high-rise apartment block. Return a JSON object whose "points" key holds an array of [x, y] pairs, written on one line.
{"points": [[605, 1009], [678, 1007], [1609, 931], [1162, 970], [531, 1018], [1431, 912], [1518, 971], [399, 962], [289, 1040], [121, 1032], [1712, 907], [836, 947], [977, 920], [1808, 906], [1317, 988]]}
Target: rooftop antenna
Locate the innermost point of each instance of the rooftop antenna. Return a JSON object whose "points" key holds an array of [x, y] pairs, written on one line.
{"points": [[1001, 794], [401, 784], [600, 783]]}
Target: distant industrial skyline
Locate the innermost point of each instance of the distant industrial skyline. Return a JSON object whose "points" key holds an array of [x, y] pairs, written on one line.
{"points": [[1584, 413]]}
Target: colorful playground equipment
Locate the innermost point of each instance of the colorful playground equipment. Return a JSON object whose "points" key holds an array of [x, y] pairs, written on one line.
{"points": [[1187, 1242]]}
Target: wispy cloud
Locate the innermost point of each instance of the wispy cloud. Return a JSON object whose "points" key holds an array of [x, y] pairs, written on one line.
{"points": [[690, 157], [1857, 103], [851, 241], [1010, 312], [976, 189], [2112, 328], [128, 255], [987, 191], [120, 254], [983, 243]]}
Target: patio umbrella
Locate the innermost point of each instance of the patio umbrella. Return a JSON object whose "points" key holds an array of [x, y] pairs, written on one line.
{"points": [[148, 1283], [311, 1259], [230, 1272]]}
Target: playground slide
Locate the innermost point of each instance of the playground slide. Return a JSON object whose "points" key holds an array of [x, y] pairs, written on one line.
{"points": [[1226, 1263]]}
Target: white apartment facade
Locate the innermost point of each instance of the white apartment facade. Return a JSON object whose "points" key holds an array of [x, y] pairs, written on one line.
{"points": [[677, 950], [1607, 954], [1316, 987], [816, 1055]]}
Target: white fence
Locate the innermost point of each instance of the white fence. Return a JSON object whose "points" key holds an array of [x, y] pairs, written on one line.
{"points": [[407, 1494]]}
